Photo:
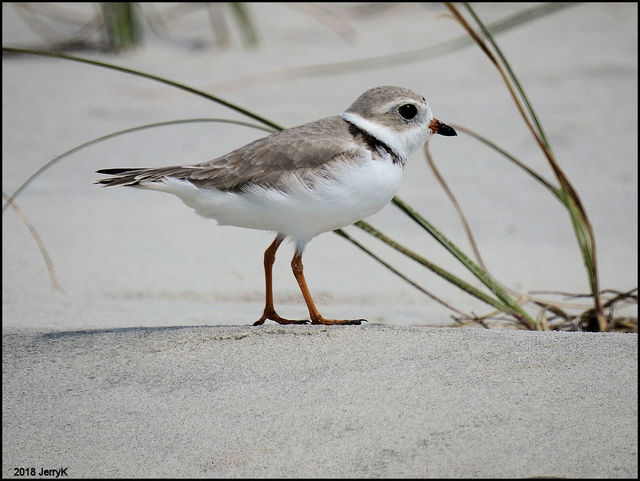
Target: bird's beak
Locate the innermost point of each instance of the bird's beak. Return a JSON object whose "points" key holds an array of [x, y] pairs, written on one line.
{"points": [[441, 128]]}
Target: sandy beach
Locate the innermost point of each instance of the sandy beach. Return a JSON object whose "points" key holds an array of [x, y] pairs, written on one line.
{"points": [[146, 365], [307, 401]]}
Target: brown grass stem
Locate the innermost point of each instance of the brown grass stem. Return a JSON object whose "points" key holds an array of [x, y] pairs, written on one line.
{"points": [[456, 205], [43, 250]]}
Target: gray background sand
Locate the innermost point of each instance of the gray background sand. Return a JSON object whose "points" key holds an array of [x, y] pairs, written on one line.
{"points": [[93, 381]]}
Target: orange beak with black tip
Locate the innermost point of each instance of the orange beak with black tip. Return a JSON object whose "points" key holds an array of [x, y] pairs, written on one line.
{"points": [[441, 128]]}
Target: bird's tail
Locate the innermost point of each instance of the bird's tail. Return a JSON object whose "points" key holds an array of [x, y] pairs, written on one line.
{"points": [[131, 176], [140, 177]]}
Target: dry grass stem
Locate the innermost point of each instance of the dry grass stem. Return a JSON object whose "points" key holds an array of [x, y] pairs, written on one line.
{"points": [[40, 243]]}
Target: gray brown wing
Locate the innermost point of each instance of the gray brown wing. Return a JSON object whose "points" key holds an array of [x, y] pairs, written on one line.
{"points": [[264, 161]]}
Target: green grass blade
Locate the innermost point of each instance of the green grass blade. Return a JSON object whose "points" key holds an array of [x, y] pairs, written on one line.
{"points": [[512, 75], [245, 24], [513, 307], [121, 25], [343, 234], [148, 76], [468, 288]]}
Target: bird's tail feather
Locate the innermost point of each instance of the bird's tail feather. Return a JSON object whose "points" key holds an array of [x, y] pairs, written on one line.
{"points": [[126, 176]]}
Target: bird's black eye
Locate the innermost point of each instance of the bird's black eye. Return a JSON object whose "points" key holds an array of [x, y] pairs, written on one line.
{"points": [[408, 111]]}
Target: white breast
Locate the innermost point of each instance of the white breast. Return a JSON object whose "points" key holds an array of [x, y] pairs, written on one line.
{"points": [[354, 191]]}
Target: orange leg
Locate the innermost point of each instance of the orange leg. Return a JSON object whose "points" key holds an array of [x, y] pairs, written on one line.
{"points": [[316, 318], [269, 310]]}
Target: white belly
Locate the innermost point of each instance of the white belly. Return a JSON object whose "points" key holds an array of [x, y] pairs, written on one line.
{"points": [[357, 191]]}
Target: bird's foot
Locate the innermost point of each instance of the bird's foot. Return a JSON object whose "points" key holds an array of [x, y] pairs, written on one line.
{"points": [[272, 315]]}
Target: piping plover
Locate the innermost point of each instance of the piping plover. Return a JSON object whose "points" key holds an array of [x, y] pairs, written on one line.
{"points": [[305, 180]]}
